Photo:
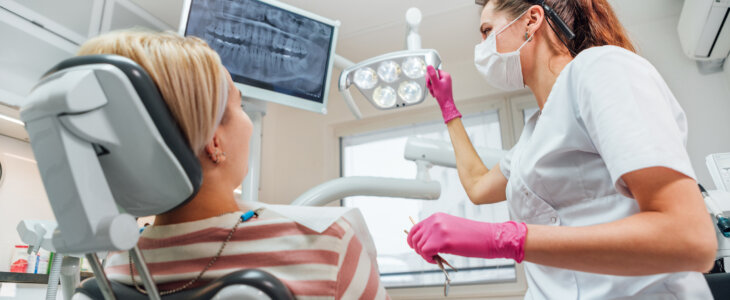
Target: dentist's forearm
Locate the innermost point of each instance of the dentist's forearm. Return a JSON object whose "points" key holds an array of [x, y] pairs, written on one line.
{"points": [[468, 163], [644, 244], [479, 185], [467, 159]]}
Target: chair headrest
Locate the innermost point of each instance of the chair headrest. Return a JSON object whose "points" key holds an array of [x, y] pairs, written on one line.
{"points": [[154, 105]]}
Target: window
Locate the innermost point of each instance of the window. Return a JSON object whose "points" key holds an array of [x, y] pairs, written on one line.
{"points": [[528, 112], [523, 107], [381, 154]]}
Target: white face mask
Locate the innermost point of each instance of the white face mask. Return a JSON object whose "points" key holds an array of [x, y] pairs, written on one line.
{"points": [[502, 70]]}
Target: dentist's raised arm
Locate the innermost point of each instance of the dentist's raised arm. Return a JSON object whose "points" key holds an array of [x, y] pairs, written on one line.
{"points": [[482, 185]]}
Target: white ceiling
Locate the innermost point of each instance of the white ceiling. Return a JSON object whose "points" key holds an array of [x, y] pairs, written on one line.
{"points": [[374, 27]]}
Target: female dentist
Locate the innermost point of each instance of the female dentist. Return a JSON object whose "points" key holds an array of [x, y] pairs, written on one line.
{"points": [[600, 189]]}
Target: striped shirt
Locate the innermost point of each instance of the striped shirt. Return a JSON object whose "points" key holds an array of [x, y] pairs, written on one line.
{"points": [[328, 265]]}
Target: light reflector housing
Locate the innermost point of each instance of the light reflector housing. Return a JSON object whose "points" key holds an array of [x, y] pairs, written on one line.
{"points": [[410, 91], [414, 67], [384, 96], [365, 78], [392, 80], [389, 71]]}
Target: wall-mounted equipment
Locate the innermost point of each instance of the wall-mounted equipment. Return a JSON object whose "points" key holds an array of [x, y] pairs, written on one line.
{"points": [[704, 32], [274, 52]]}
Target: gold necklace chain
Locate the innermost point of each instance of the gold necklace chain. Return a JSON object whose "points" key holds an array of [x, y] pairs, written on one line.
{"points": [[192, 281]]}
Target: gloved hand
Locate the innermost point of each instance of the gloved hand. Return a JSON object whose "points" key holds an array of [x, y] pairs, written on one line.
{"points": [[439, 85], [443, 233]]}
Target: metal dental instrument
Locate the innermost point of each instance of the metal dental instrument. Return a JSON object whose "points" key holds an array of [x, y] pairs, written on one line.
{"points": [[441, 262]]}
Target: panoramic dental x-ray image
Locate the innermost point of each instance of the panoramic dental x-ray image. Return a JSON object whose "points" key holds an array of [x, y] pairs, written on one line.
{"points": [[265, 46]]}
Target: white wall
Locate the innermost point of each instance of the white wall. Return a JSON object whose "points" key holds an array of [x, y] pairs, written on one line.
{"points": [[23, 291], [704, 98], [22, 195], [300, 148]]}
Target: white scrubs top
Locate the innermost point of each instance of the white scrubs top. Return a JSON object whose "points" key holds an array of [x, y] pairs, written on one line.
{"points": [[609, 113]]}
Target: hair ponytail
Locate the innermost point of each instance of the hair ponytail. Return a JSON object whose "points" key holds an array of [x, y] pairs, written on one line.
{"points": [[593, 22]]}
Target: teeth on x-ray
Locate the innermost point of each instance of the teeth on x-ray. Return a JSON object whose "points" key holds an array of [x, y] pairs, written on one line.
{"points": [[265, 44]]}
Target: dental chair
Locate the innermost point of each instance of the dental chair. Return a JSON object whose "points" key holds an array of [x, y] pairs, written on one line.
{"points": [[108, 151]]}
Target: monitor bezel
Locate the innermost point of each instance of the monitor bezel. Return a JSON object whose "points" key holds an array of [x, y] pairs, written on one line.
{"points": [[250, 91]]}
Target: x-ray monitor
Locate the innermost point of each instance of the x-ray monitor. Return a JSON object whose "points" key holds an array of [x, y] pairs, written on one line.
{"points": [[274, 52]]}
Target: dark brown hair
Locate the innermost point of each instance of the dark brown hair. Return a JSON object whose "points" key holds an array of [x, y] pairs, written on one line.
{"points": [[593, 21]]}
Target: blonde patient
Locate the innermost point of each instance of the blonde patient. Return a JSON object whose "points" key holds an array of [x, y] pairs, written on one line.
{"points": [[182, 243]]}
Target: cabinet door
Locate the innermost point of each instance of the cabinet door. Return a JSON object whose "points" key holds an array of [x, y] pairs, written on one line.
{"points": [[75, 20], [27, 52], [123, 14]]}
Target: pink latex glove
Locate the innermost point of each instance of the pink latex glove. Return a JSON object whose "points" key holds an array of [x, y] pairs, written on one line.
{"points": [[443, 233], [439, 85]]}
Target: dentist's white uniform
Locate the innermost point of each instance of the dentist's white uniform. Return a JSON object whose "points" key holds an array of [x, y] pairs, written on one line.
{"points": [[609, 113]]}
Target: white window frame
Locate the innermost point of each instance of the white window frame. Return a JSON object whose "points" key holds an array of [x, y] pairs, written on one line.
{"points": [[423, 115], [518, 105], [510, 112]]}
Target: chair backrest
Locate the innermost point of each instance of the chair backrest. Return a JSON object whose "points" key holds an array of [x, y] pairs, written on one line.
{"points": [[123, 110], [244, 284], [719, 285], [107, 147]]}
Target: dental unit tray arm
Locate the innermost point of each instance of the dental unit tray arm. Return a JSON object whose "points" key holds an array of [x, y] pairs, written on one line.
{"points": [[441, 153], [344, 187], [424, 152]]}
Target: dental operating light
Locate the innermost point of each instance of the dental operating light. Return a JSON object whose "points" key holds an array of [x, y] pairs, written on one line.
{"points": [[391, 80], [395, 79]]}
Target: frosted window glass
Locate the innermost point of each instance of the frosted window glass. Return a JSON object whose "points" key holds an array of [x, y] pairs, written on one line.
{"points": [[381, 154]]}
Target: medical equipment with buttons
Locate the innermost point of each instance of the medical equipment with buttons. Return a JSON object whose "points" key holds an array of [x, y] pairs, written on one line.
{"points": [[395, 79], [723, 224], [718, 201], [719, 166]]}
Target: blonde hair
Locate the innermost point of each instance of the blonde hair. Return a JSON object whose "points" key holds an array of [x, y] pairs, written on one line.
{"points": [[186, 70]]}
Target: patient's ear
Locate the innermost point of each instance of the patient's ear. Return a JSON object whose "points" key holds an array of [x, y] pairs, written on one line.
{"points": [[214, 151]]}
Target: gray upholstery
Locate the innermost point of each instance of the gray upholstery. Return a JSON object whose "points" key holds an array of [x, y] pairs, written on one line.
{"points": [[719, 285], [258, 279]]}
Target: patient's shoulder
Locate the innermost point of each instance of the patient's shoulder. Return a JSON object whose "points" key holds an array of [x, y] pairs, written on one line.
{"points": [[324, 220], [312, 220]]}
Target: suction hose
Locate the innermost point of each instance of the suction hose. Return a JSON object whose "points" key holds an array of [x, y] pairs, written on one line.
{"points": [[53, 277]]}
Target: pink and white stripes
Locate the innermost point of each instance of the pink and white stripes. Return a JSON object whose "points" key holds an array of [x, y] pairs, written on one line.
{"points": [[327, 265]]}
